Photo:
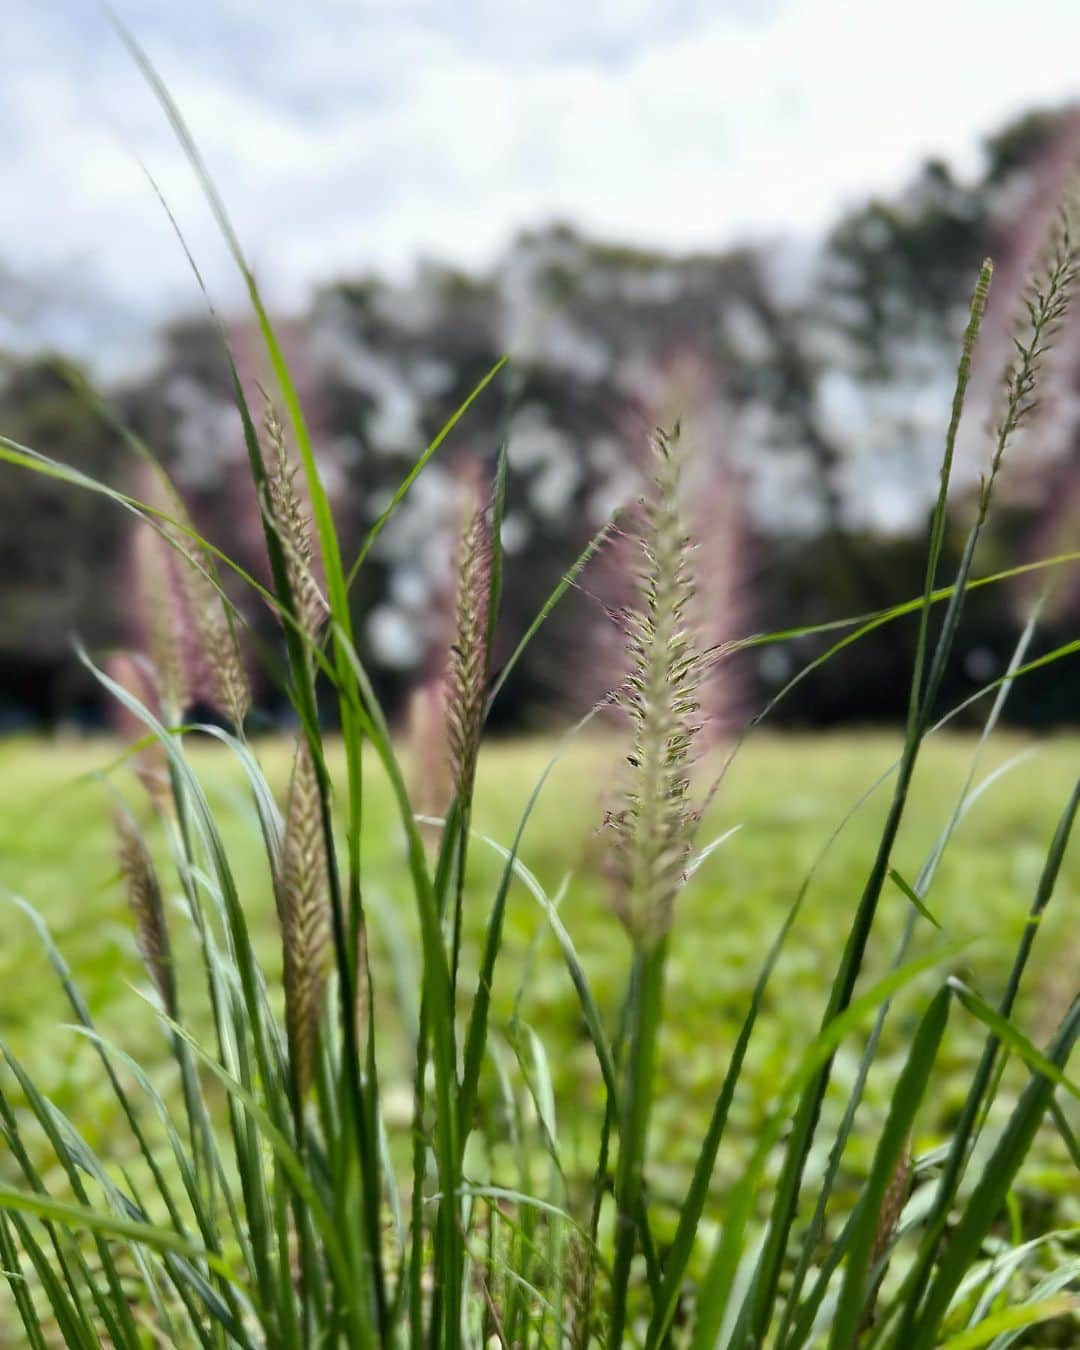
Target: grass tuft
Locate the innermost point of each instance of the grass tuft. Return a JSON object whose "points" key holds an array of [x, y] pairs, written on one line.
{"points": [[270, 1189]]}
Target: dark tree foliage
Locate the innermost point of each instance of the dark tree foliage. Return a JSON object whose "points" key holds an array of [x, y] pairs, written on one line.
{"points": [[597, 334]]}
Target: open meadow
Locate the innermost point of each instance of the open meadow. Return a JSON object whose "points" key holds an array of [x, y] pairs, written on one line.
{"points": [[786, 794]]}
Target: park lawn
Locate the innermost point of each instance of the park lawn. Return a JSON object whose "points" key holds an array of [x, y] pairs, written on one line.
{"points": [[787, 794]]}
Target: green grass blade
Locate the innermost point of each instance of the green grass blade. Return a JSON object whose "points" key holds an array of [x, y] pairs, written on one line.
{"points": [[1011, 1319], [419, 466], [906, 889], [302, 1183], [84, 1217], [66, 1303], [906, 1100], [869, 623], [72, 1157], [937, 527], [9, 1256], [498, 512], [716, 1287], [1010, 1036], [345, 925], [952, 1172], [476, 1035], [988, 1197], [785, 1204], [1067, 1134], [565, 582]]}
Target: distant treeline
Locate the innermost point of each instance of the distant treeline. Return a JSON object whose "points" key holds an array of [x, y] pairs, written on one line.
{"points": [[813, 390]]}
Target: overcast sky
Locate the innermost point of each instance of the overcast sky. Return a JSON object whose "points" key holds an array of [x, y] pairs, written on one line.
{"points": [[349, 134]]}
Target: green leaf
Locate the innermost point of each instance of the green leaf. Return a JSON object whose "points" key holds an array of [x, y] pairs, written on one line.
{"points": [[1011, 1319], [912, 895], [76, 1217], [906, 1100], [1007, 1032], [716, 1286], [988, 1198]]}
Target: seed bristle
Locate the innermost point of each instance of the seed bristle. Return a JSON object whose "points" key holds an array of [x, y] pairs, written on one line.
{"points": [[303, 906], [145, 903], [654, 828], [286, 511], [467, 668]]}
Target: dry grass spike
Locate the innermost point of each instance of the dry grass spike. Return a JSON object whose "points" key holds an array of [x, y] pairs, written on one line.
{"points": [[654, 829], [290, 520], [145, 902], [467, 669], [304, 910]]}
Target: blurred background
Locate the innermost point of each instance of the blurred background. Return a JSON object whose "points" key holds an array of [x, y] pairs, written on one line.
{"points": [[762, 218]]}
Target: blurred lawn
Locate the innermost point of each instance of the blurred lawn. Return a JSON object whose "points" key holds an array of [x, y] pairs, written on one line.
{"points": [[787, 795]]}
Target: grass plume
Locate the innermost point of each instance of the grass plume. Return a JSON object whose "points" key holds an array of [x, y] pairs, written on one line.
{"points": [[653, 831], [304, 912], [164, 620], [293, 526], [467, 667], [146, 906]]}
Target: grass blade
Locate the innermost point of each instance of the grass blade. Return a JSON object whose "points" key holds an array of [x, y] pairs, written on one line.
{"points": [[907, 1098], [989, 1195]]}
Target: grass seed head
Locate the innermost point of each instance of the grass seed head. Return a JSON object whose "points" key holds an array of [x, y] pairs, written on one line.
{"points": [[163, 619], [290, 519], [190, 634], [467, 670], [215, 665], [1046, 307], [145, 903], [430, 786], [304, 909], [654, 828], [135, 674], [892, 1206]]}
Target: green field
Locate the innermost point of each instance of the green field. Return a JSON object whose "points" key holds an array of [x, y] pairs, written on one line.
{"points": [[786, 794]]}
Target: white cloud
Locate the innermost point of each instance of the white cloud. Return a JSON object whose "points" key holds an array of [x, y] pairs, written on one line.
{"points": [[346, 135]]}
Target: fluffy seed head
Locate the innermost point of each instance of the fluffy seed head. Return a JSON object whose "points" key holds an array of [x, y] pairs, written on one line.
{"points": [[467, 670], [163, 619], [188, 631], [304, 910], [213, 666], [892, 1206], [226, 682], [1047, 306], [290, 520], [135, 674], [218, 667], [654, 828], [144, 901], [430, 788], [580, 1277]]}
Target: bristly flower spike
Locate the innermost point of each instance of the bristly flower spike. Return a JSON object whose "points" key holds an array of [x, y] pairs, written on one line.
{"points": [[190, 634], [135, 673], [217, 667], [654, 830], [304, 912], [1047, 305], [147, 908], [467, 670], [164, 620], [290, 520]]}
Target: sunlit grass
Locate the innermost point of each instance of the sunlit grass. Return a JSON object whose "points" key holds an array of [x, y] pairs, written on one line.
{"points": [[786, 794]]}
